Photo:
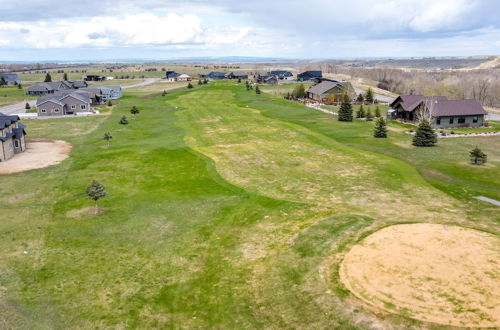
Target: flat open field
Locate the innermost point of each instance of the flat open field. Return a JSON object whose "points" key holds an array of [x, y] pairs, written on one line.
{"points": [[225, 209]]}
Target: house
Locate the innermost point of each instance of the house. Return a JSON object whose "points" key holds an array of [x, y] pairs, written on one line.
{"points": [[171, 76], [330, 89], [236, 75], [44, 88], [184, 77], [444, 113], [212, 75], [282, 75], [265, 78], [10, 78], [309, 75], [12, 137], [68, 104], [110, 92], [93, 77]]}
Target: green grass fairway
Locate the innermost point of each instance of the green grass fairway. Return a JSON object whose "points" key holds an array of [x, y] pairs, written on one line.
{"points": [[225, 209]]}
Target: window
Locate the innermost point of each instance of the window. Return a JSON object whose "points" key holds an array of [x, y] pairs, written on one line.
{"points": [[56, 110], [16, 143], [83, 106], [461, 120], [451, 120], [438, 121], [73, 106], [475, 119], [44, 111]]}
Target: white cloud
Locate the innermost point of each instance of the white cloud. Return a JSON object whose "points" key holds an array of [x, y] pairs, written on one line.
{"points": [[129, 30]]}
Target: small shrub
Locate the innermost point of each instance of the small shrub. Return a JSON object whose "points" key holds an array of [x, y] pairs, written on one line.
{"points": [[477, 156]]}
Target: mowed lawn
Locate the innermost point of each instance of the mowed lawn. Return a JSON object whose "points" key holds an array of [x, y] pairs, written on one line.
{"points": [[226, 209]]}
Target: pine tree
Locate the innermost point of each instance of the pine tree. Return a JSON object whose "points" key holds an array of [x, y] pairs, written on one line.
{"points": [[380, 130], [27, 106], [477, 156], [200, 82], [425, 135], [360, 98], [107, 137], [239, 80], [369, 95], [96, 191], [205, 81], [369, 116], [189, 85], [345, 112], [164, 93], [123, 120], [65, 76], [3, 81], [257, 90], [48, 78], [377, 112], [361, 112], [19, 86], [110, 104]]}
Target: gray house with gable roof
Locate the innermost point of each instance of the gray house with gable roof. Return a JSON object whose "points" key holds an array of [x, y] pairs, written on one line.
{"points": [[12, 139], [10, 78], [68, 104]]}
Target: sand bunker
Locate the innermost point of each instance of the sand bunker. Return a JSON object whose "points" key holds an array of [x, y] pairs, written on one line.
{"points": [[443, 274], [38, 154]]}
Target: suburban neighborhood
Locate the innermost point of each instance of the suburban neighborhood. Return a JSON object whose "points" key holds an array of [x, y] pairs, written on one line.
{"points": [[263, 165]]}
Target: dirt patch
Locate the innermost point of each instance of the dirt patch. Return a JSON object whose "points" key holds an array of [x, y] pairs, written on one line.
{"points": [[39, 154], [429, 272]]}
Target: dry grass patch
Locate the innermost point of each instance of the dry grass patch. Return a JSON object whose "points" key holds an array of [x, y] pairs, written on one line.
{"points": [[38, 154], [429, 272]]}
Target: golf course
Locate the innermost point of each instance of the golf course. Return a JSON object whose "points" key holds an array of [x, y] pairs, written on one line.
{"points": [[229, 209]]}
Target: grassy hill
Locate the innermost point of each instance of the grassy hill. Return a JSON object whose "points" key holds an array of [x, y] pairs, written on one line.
{"points": [[225, 209]]}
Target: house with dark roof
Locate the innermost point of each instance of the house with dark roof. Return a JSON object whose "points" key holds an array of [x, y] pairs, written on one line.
{"points": [[265, 78], [171, 76], [212, 75], [236, 75], [44, 88], [12, 137], [445, 113], [10, 78], [65, 104], [309, 75], [282, 75], [330, 89]]}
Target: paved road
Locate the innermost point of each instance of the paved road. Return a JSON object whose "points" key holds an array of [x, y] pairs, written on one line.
{"points": [[147, 81], [379, 97], [16, 108]]}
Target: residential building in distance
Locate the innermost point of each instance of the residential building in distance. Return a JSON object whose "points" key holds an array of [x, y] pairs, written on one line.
{"points": [[61, 105], [10, 78], [45, 88], [184, 77], [282, 75], [330, 89], [171, 76], [265, 78], [12, 137], [309, 76], [212, 75], [236, 75], [93, 77], [445, 113]]}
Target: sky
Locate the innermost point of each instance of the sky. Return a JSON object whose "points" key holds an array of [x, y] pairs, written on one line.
{"points": [[49, 30]]}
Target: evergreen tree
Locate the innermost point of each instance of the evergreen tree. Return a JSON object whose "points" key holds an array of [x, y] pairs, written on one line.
{"points": [[2, 81], [123, 120], [361, 112], [239, 80], [345, 112], [107, 137], [164, 93], [110, 104], [65, 76], [360, 98], [27, 106], [478, 157], [425, 135], [134, 111], [369, 95], [96, 191], [377, 112], [205, 81], [189, 85], [380, 130], [369, 116], [48, 78], [19, 86], [257, 90], [200, 82], [299, 92]]}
